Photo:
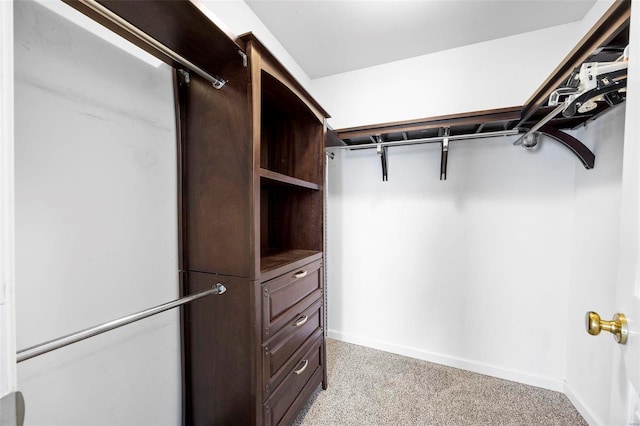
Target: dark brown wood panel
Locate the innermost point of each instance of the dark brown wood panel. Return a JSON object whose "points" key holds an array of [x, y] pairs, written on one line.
{"points": [[217, 175], [221, 351]]}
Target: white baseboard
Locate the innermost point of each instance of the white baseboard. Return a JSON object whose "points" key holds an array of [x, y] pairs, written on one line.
{"points": [[451, 361], [582, 408]]}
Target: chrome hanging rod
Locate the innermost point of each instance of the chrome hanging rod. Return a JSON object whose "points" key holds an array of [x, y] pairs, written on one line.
{"points": [[106, 13], [541, 123], [63, 341], [432, 140]]}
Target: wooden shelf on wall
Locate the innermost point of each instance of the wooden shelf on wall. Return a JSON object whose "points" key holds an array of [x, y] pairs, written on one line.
{"points": [[471, 122]]}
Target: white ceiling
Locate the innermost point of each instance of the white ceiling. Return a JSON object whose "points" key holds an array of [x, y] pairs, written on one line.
{"points": [[329, 37]]}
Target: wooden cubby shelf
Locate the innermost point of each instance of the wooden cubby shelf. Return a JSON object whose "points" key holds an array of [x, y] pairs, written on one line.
{"points": [[271, 259]]}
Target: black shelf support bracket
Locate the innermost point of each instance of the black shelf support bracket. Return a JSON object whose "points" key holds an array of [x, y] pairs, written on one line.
{"points": [[382, 153], [584, 154], [444, 153]]}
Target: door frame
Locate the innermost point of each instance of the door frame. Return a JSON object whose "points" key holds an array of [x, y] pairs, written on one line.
{"points": [[8, 381], [625, 385]]}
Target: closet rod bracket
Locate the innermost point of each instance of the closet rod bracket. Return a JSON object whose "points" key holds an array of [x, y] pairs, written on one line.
{"points": [[245, 61], [184, 77], [444, 155], [218, 82], [382, 153]]}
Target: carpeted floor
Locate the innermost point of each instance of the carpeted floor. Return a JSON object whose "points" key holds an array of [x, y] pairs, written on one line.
{"points": [[371, 387]]}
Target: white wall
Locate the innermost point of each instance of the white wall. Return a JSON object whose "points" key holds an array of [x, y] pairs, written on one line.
{"points": [[494, 74], [594, 260], [471, 272], [96, 226]]}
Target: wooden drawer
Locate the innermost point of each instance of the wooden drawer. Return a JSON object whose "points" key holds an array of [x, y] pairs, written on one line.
{"points": [[288, 399], [285, 297], [282, 353]]}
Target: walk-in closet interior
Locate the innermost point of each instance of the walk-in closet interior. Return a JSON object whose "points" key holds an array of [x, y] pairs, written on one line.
{"points": [[189, 215]]}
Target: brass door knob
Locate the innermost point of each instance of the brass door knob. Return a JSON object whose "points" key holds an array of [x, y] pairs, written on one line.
{"points": [[617, 326]]}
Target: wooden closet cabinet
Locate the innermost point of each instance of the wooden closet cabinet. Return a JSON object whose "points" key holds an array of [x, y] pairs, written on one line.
{"points": [[251, 206]]}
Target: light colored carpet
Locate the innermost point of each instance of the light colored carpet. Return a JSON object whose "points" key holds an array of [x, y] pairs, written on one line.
{"points": [[371, 387]]}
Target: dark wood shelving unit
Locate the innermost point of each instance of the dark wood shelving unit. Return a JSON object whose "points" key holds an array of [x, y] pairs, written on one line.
{"points": [[289, 177], [252, 169]]}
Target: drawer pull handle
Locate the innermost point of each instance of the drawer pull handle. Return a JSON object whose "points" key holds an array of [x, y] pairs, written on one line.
{"points": [[300, 274], [299, 371], [301, 320]]}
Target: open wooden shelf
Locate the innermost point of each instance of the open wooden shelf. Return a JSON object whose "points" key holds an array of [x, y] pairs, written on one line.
{"points": [[274, 258], [276, 178], [291, 137]]}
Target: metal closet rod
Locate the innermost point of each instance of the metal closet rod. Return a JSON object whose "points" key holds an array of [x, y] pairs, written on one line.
{"points": [[106, 13], [63, 341], [374, 145]]}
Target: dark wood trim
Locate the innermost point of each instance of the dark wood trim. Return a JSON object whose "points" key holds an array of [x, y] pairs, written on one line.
{"points": [[222, 348], [255, 101], [217, 175], [467, 118], [184, 351], [584, 154], [605, 30], [180, 120]]}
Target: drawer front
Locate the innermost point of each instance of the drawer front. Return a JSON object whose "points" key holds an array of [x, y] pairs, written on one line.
{"points": [[288, 399], [280, 352], [286, 296]]}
